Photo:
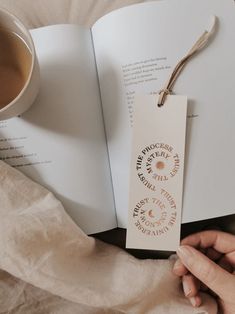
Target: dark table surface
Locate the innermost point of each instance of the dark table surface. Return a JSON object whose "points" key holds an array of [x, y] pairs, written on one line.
{"points": [[118, 236]]}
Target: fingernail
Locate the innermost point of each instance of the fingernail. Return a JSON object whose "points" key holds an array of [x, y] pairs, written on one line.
{"points": [[186, 289], [185, 254], [193, 301]]}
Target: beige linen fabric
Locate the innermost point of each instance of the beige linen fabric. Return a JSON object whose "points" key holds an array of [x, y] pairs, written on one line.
{"points": [[42, 247], [47, 12], [47, 264]]}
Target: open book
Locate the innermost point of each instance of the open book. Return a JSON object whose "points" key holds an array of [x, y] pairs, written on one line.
{"points": [[76, 138]]}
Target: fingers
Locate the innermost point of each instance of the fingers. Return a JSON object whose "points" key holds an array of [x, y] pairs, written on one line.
{"points": [[222, 242], [180, 270], [191, 285], [212, 275], [191, 288], [196, 301]]}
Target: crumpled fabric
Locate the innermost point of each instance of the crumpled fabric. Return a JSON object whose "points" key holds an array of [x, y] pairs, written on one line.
{"points": [[40, 13], [49, 265]]}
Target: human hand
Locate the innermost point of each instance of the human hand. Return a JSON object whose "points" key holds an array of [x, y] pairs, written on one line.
{"points": [[206, 263]]}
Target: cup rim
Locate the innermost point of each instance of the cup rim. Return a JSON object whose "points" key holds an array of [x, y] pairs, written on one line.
{"points": [[32, 48]]}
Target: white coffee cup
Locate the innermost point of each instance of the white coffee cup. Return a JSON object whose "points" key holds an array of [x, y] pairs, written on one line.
{"points": [[28, 93]]}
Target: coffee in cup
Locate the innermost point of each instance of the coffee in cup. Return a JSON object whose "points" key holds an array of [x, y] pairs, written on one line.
{"points": [[19, 70]]}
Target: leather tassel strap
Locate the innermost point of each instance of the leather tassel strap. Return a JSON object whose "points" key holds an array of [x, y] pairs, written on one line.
{"points": [[199, 45]]}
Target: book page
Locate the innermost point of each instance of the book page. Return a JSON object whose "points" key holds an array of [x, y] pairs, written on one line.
{"points": [[60, 142], [136, 50]]}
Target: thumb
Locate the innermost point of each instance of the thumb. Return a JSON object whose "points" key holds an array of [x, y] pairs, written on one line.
{"points": [[212, 275]]}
